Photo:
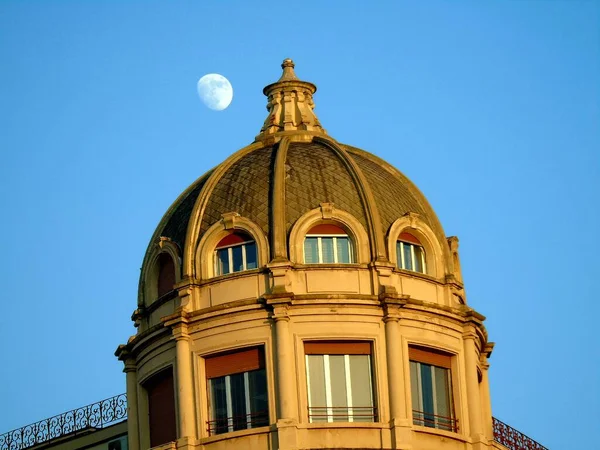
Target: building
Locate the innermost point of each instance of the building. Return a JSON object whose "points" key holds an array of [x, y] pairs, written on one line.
{"points": [[303, 295]]}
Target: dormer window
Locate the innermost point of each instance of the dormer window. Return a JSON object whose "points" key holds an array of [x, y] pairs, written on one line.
{"points": [[410, 253], [236, 252], [328, 244]]}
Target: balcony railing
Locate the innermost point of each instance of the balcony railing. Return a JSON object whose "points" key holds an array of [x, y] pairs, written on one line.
{"points": [[513, 439], [112, 410], [235, 423], [342, 414], [85, 419], [434, 421]]}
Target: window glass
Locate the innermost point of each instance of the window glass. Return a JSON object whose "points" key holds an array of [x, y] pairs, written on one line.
{"points": [[257, 384], [238, 401], [311, 250], [251, 259], [418, 259], [327, 250], [236, 252], [343, 250], [237, 385], [360, 379], [410, 256], [340, 388], [407, 263], [339, 396], [316, 381], [223, 261], [431, 396], [238, 260]]}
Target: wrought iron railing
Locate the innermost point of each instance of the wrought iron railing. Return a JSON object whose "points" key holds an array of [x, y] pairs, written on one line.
{"points": [[112, 410], [435, 421], [87, 418], [342, 414], [513, 439], [243, 422]]}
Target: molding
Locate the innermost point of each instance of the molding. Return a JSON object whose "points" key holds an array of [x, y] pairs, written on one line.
{"points": [[279, 251], [327, 213], [435, 257], [230, 222]]}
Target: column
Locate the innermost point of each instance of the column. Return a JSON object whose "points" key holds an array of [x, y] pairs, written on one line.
{"points": [[185, 392], [394, 365], [286, 397], [133, 431], [473, 397], [488, 429], [287, 401], [401, 421]]}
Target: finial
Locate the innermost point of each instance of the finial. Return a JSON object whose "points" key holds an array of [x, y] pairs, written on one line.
{"points": [[290, 105], [288, 70]]}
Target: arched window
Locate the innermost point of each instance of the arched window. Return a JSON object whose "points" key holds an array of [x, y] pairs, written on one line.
{"points": [[236, 252], [166, 274], [410, 253], [328, 244]]}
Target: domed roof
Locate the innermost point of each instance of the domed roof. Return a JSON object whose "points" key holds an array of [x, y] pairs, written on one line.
{"points": [[317, 170]]}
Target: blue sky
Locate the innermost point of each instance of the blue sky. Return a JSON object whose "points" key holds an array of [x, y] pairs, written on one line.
{"points": [[491, 108]]}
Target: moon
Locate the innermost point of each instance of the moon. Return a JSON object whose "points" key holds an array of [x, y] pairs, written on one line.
{"points": [[215, 91]]}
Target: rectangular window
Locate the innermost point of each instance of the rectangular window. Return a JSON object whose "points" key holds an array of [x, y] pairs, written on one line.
{"points": [[237, 385], [340, 387], [235, 258], [431, 389], [410, 257], [330, 249]]}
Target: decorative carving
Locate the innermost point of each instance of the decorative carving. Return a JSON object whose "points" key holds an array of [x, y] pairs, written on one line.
{"points": [[97, 415], [290, 105]]}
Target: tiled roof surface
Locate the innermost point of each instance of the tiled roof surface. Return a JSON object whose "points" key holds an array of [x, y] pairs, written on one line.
{"points": [[316, 175], [243, 188]]}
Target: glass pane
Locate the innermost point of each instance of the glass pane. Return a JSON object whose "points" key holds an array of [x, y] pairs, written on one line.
{"points": [[238, 263], [418, 259], [442, 398], [316, 378], [343, 250], [361, 387], [259, 402], [327, 249], [399, 255], [427, 391], [218, 405], [339, 399], [311, 250], [415, 387], [238, 401], [251, 260], [407, 256], [222, 262]]}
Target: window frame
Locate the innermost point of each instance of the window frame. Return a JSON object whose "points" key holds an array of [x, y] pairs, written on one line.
{"points": [[243, 366], [230, 262], [421, 356], [400, 253], [353, 413], [335, 249]]}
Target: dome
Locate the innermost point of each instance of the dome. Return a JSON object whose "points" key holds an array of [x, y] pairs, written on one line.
{"points": [[315, 168], [299, 284]]}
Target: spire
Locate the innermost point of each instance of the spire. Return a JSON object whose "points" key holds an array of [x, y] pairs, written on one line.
{"points": [[290, 105]]}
